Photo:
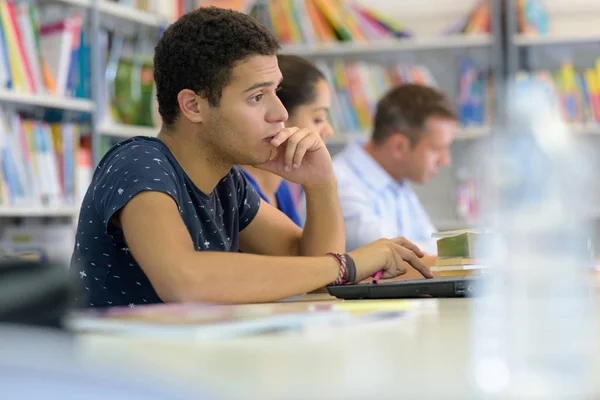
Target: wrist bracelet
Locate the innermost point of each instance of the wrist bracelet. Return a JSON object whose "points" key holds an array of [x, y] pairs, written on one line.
{"points": [[351, 268], [341, 260], [347, 272]]}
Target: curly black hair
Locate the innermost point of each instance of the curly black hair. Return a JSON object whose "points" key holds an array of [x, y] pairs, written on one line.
{"points": [[198, 52]]}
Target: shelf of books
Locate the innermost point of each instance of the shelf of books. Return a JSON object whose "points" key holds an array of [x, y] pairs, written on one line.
{"points": [[578, 90], [335, 28], [43, 62], [45, 65], [357, 86], [41, 165]]}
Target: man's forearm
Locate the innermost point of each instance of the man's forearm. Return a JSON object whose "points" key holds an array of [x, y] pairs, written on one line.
{"points": [[324, 228], [216, 277]]}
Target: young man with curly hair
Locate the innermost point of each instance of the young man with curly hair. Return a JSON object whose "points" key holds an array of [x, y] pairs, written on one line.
{"points": [[165, 218]]}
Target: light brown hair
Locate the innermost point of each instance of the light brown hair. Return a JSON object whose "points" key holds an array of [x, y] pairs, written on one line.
{"points": [[406, 108]]}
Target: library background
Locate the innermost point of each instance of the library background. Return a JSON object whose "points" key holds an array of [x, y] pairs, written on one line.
{"points": [[76, 77]]}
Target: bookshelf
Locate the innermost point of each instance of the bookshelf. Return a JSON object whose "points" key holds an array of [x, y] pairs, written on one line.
{"points": [[37, 185], [46, 101], [522, 40], [388, 46], [38, 211], [110, 15]]}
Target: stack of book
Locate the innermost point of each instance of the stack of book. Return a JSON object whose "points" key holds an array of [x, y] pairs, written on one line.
{"points": [[327, 21], [457, 253]]}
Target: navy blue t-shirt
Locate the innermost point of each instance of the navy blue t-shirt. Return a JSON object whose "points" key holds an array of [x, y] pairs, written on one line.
{"points": [[285, 202], [101, 258]]}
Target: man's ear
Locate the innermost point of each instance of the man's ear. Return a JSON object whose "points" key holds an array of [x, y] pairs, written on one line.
{"points": [[192, 106], [399, 145]]}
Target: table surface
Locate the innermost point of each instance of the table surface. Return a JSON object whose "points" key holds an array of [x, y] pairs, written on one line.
{"points": [[423, 354]]}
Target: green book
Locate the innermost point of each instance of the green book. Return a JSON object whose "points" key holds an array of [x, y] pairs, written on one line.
{"points": [[461, 245]]}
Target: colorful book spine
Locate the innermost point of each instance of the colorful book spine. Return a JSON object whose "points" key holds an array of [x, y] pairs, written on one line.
{"points": [[38, 162]]}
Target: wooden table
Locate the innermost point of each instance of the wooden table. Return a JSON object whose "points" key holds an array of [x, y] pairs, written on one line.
{"points": [[421, 355]]}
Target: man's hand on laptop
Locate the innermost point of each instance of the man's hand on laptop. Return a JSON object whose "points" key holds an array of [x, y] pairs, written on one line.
{"points": [[393, 256]]}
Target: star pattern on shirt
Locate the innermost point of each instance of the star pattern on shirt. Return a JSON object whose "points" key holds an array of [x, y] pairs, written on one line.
{"points": [[103, 258]]}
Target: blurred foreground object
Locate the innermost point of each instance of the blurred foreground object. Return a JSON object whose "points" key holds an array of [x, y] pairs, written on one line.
{"points": [[34, 292], [533, 327]]}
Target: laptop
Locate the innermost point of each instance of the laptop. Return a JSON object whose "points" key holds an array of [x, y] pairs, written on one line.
{"points": [[448, 286]]}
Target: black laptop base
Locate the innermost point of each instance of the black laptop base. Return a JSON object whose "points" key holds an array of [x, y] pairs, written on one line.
{"points": [[410, 288]]}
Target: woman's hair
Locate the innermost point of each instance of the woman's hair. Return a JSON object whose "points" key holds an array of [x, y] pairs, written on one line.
{"points": [[300, 78]]}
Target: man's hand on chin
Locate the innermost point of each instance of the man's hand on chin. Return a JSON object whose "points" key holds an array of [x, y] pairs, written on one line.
{"points": [[300, 156]]}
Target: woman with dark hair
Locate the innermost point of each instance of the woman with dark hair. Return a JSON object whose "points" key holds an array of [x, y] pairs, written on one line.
{"points": [[305, 94]]}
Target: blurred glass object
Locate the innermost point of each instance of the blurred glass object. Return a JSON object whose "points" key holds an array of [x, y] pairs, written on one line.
{"points": [[534, 324]]}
